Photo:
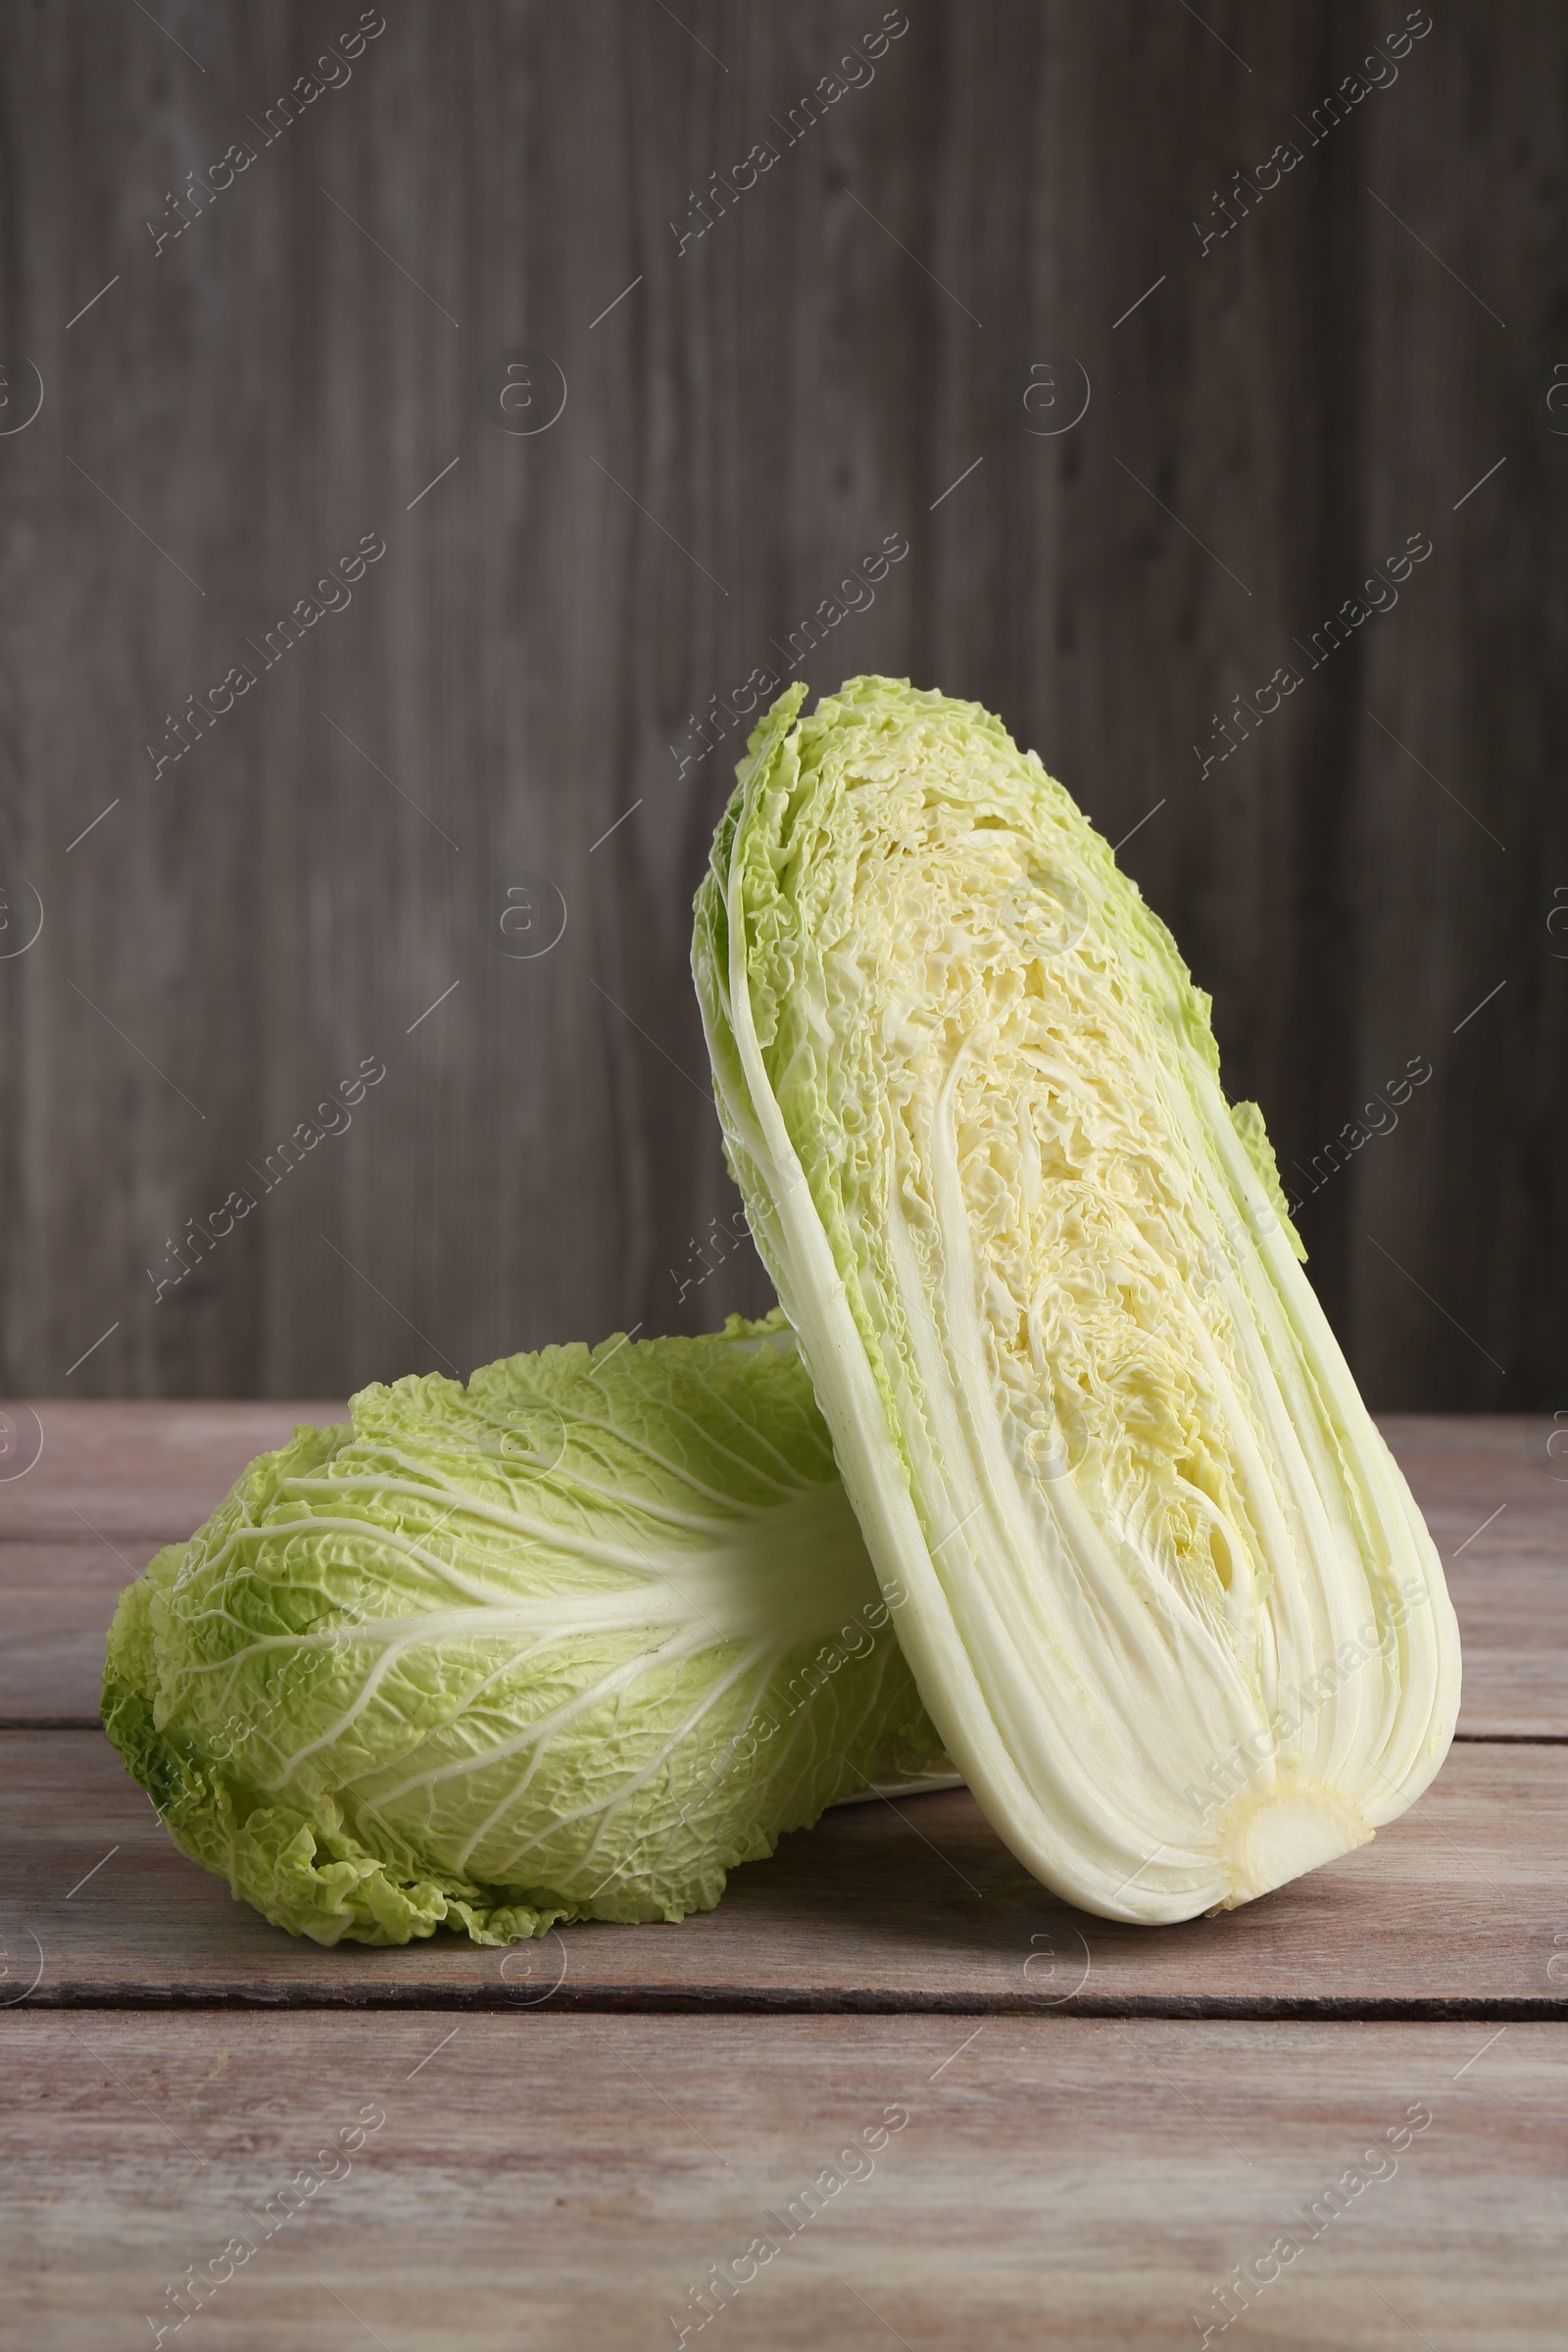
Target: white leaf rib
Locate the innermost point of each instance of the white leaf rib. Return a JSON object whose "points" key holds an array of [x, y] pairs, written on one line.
{"points": [[681, 1473], [791, 1477], [545, 1532], [672, 1651], [571, 1481], [606, 1808]]}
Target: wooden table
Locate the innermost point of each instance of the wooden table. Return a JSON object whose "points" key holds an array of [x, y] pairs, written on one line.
{"points": [[1017, 2125]]}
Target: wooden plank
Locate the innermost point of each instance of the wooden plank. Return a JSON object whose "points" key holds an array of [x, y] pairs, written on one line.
{"points": [[1499, 1513], [1513, 1627], [570, 2181], [1487, 1485], [139, 1472], [56, 1601], [144, 1473], [915, 1905]]}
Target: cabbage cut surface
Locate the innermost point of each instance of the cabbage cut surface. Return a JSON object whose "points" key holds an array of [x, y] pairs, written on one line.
{"points": [[1165, 1590]]}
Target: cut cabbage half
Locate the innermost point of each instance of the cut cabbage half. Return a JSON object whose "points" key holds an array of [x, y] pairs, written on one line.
{"points": [[1164, 1591]]}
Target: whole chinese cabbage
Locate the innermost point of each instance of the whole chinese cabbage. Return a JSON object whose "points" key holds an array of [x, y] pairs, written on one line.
{"points": [[567, 1644], [1164, 1591]]}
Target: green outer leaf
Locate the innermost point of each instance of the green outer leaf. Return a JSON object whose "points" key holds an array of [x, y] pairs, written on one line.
{"points": [[567, 1645], [1111, 1465]]}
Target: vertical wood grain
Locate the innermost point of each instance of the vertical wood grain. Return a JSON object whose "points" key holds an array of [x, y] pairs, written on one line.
{"points": [[514, 677]]}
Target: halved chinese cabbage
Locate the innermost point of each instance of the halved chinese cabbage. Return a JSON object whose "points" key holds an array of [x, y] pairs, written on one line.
{"points": [[567, 1644], [1164, 1591]]}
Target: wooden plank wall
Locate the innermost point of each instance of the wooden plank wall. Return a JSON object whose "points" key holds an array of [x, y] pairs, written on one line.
{"points": [[292, 375]]}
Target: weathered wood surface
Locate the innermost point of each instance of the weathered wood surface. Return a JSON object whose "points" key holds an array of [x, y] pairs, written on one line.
{"points": [[116, 1480], [1285, 404], [917, 1905], [546, 2181], [56, 1601], [140, 1473], [1496, 1502]]}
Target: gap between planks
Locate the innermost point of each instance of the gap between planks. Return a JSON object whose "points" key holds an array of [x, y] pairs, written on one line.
{"points": [[308, 1999]]}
